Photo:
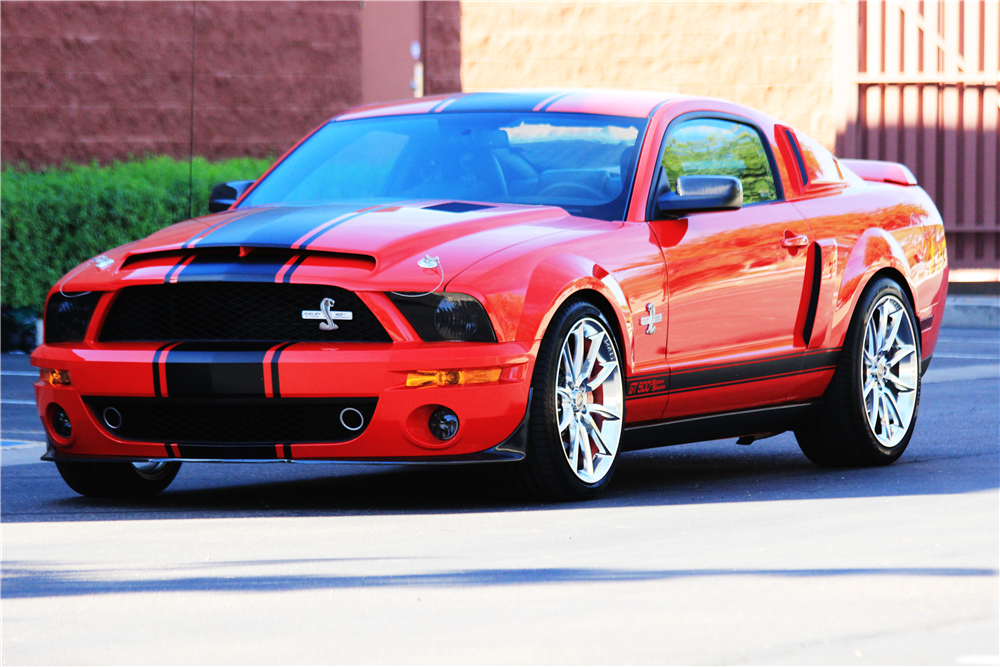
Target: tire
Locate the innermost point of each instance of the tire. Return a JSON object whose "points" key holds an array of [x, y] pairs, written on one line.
{"points": [[118, 480], [574, 435], [869, 411]]}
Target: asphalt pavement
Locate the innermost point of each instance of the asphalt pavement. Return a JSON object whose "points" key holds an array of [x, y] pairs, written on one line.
{"points": [[710, 553]]}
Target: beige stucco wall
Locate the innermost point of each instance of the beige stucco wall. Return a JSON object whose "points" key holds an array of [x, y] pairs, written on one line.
{"points": [[775, 56]]}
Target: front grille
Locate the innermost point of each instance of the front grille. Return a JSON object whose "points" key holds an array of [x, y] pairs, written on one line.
{"points": [[206, 311], [207, 421]]}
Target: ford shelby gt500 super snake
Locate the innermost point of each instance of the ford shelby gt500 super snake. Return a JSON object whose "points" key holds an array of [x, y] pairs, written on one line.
{"points": [[544, 279]]}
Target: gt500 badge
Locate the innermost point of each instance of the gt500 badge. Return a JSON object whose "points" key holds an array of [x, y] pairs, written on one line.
{"points": [[327, 314]]}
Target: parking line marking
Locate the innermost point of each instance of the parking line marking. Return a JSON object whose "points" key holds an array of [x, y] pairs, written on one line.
{"points": [[13, 402], [977, 372], [966, 356]]}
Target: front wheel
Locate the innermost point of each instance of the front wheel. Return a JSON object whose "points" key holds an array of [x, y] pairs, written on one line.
{"points": [[870, 409], [118, 480], [577, 411]]}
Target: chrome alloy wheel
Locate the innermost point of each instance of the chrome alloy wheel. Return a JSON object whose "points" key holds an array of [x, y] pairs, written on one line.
{"points": [[891, 371], [590, 400]]}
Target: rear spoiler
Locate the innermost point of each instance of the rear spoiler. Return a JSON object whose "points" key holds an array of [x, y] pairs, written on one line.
{"points": [[878, 171]]}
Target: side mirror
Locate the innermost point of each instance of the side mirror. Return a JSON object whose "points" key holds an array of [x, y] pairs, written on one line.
{"points": [[225, 195], [698, 194]]}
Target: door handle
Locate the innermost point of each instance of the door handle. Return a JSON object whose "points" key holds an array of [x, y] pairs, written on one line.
{"points": [[794, 240]]}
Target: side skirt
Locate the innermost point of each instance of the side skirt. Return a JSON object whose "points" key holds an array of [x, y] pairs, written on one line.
{"points": [[714, 427]]}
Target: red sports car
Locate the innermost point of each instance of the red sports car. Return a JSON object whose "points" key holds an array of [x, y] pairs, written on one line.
{"points": [[544, 279]]}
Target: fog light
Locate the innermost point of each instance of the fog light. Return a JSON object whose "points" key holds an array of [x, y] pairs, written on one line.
{"points": [[443, 424], [54, 377], [60, 423]]}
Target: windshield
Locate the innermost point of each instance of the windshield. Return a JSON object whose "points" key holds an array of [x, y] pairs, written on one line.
{"points": [[581, 162]]}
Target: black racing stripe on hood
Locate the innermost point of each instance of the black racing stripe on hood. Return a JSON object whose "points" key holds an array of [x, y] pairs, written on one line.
{"points": [[251, 269], [273, 227]]}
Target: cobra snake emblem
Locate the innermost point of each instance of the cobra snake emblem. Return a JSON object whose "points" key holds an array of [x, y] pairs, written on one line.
{"points": [[325, 307]]}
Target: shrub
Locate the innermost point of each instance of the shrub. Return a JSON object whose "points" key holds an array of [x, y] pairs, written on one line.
{"points": [[54, 219]]}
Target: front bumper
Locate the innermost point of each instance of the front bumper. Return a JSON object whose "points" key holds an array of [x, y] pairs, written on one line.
{"points": [[491, 416]]}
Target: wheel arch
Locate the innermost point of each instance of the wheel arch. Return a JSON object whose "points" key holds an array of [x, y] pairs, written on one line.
{"points": [[893, 274], [598, 288], [599, 301], [876, 254]]}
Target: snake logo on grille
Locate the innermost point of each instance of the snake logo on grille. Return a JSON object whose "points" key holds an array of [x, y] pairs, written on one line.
{"points": [[327, 314]]}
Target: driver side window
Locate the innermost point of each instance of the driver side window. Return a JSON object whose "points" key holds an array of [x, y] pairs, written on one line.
{"points": [[716, 147]]}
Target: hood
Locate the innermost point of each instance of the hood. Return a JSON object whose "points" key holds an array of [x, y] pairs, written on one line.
{"points": [[384, 242]]}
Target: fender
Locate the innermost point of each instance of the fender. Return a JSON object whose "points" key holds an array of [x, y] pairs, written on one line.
{"points": [[574, 274], [523, 287], [553, 280], [874, 251]]}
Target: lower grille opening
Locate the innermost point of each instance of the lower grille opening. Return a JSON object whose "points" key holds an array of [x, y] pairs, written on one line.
{"points": [[233, 421]]}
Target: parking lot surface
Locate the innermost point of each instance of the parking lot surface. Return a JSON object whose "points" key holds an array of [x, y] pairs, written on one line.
{"points": [[709, 553]]}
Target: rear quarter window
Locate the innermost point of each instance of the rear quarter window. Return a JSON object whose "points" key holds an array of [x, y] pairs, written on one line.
{"points": [[819, 163]]}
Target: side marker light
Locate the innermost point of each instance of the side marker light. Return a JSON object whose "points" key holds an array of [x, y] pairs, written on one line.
{"points": [[449, 378], [54, 377]]}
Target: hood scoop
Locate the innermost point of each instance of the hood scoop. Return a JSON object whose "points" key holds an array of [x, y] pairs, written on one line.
{"points": [[243, 263], [457, 207]]}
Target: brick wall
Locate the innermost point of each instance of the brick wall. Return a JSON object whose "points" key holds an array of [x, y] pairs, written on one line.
{"points": [[777, 57], [442, 48], [89, 81]]}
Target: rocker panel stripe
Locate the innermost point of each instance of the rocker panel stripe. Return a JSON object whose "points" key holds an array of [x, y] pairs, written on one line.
{"points": [[722, 375]]}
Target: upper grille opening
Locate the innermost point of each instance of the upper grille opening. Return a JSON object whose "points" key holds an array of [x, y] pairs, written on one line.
{"points": [[236, 311]]}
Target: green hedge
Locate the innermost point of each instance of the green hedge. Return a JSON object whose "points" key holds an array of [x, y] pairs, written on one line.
{"points": [[54, 219]]}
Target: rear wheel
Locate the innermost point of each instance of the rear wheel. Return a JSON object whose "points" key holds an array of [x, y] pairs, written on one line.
{"points": [[577, 411], [870, 409], [118, 480]]}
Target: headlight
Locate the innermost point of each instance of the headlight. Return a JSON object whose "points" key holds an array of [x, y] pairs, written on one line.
{"points": [[67, 317], [446, 316]]}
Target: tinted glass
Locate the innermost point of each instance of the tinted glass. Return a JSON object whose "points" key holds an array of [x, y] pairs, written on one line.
{"points": [[583, 163], [713, 147]]}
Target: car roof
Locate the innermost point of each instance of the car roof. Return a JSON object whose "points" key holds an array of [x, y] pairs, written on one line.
{"points": [[634, 103]]}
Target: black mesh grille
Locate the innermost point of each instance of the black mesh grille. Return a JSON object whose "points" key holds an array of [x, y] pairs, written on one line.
{"points": [[273, 420], [206, 311]]}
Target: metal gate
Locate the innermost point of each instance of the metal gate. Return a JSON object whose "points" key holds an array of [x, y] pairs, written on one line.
{"points": [[928, 95]]}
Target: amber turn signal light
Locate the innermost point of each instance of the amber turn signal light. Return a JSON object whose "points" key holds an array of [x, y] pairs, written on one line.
{"points": [[54, 377], [449, 378]]}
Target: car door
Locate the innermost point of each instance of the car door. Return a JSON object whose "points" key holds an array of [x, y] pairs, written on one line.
{"points": [[735, 279]]}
